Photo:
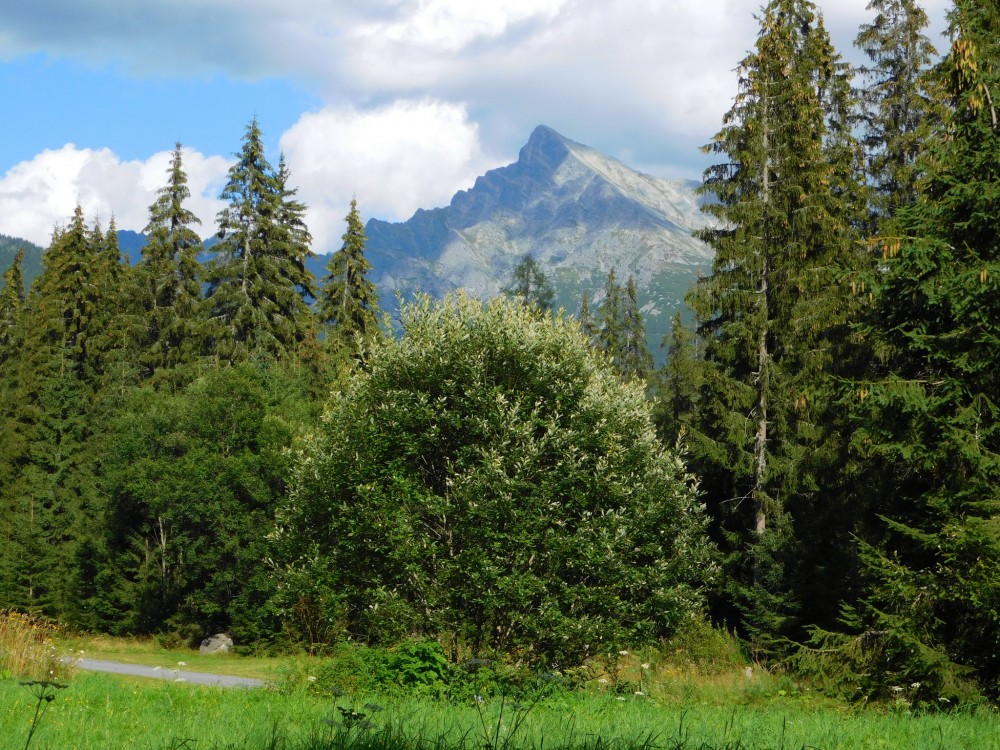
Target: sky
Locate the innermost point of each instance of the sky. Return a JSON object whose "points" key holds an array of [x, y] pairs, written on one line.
{"points": [[397, 103]]}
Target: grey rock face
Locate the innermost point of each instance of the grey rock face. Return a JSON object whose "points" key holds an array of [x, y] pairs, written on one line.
{"points": [[577, 211]]}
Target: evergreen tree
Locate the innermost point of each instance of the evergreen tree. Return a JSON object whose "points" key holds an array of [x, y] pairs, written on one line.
{"points": [[773, 312], [587, 323], [611, 322], [257, 280], [679, 383], [898, 112], [930, 426], [637, 362], [50, 413], [171, 329], [11, 303], [349, 301], [530, 286]]}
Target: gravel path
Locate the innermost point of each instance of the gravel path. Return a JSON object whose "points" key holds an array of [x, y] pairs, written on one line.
{"points": [[175, 674]]}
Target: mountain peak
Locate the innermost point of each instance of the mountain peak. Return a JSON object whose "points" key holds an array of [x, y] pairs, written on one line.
{"points": [[545, 147]]}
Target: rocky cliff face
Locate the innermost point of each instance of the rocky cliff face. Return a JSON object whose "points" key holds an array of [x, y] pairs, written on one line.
{"points": [[578, 212]]}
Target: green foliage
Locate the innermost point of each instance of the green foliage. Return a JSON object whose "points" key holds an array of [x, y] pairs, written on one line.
{"points": [[258, 282], [899, 114], [489, 476], [192, 480], [927, 428], [349, 301], [170, 327], [772, 318], [530, 286]]}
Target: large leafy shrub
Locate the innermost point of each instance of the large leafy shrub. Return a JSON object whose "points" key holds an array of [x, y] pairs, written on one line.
{"points": [[490, 477]]}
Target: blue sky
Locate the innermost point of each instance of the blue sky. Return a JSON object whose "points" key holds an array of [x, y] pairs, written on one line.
{"points": [[398, 102]]}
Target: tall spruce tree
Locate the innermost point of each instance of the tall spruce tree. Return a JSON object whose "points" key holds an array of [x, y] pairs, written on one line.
{"points": [[349, 301], [171, 330], [50, 415], [257, 278], [774, 310], [931, 425], [898, 112]]}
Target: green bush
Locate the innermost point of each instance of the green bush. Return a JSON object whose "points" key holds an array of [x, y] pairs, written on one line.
{"points": [[490, 476]]}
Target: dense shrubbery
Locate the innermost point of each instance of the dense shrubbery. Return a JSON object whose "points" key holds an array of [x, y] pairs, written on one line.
{"points": [[491, 478]]}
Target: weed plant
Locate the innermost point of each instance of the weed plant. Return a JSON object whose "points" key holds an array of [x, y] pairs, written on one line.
{"points": [[27, 647]]}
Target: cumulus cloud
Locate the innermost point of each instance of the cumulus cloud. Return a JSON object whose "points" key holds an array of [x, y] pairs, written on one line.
{"points": [[421, 95], [41, 193], [394, 159]]}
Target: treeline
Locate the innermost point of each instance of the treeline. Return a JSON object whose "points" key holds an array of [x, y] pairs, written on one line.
{"points": [[837, 389], [146, 411], [833, 387]]}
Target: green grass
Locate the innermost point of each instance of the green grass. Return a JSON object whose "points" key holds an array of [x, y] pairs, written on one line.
{"points": [[148, 652], [99, 712]]}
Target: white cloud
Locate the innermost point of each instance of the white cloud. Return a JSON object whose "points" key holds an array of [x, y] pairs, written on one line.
{"points": [[41, 193], [394, 159]]}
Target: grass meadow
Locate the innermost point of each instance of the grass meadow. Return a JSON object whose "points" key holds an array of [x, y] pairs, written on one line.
{"points": [[100, 712], [652, 701]]}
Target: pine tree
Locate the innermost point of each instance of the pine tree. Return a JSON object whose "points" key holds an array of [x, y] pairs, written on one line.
{"points": [[349, 301], [898, 112], [171, 329], [257, 283], [774, 309], [530, 286]]}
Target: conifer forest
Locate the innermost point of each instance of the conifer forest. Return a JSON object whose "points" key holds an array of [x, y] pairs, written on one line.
{"points": [[214, 440]]}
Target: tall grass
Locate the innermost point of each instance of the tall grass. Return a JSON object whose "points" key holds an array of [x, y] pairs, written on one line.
{"points": [[27, 647], [99, 712]]}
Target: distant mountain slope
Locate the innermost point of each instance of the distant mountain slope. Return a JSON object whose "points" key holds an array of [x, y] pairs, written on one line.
{"points": [[32, 265], [577, 211]]}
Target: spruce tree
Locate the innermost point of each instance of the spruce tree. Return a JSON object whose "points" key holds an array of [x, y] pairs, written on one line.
{"points": [[611, 321], [774, 310], [171, 329], [930, 426], [530, 286], [257, 281], [898, 112], [349, 301], [11, 302], [637, 362], [587, 323]]}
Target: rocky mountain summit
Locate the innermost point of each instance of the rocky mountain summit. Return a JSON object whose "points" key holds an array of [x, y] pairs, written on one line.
{"points": [[578, 212]]}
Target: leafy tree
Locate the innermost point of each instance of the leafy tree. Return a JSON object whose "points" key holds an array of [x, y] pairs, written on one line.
{"points": [[257, 278], [530, 286], [774, 312], [489, 476], [171, 327], [349, 301]]}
